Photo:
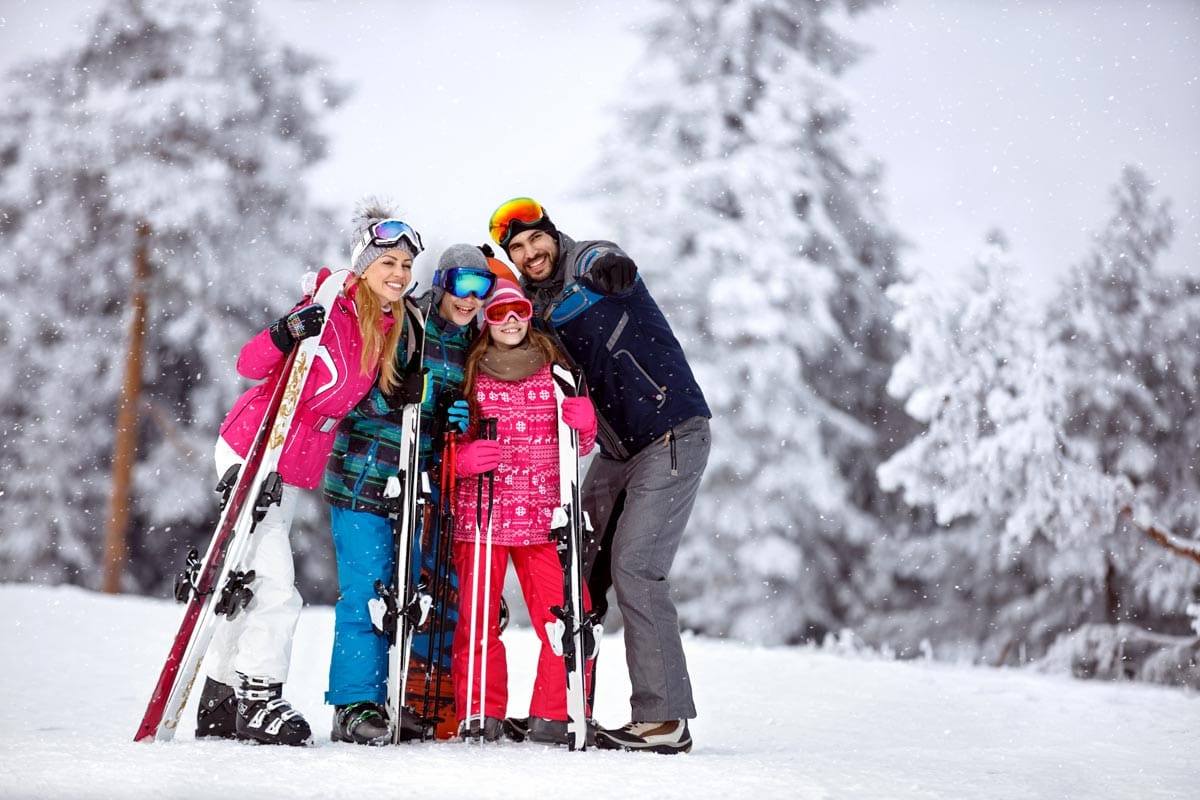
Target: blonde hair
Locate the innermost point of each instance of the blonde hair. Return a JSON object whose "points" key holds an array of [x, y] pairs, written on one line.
{"points": [[378, 349]]}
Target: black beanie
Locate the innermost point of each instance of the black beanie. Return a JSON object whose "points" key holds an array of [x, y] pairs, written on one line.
{"points": [[520, 226]]}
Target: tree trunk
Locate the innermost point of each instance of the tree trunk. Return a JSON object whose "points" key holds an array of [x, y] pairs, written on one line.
{"points": [[125, 444], [1112, 599]]}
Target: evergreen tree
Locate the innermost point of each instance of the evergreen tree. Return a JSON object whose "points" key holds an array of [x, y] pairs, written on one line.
{"points": [[982, 376], [1039, 428], [736, 185], [1132, 385], [184, 117]]}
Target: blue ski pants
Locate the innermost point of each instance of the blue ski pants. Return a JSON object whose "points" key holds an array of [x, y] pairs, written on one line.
{"points": [[364, 546], [366, 552]]}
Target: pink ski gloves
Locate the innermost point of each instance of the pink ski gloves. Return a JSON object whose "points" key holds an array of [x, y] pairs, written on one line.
{"points": [[578, 413], [481, 455]]}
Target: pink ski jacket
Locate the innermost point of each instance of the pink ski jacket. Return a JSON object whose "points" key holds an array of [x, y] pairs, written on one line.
{"points": [[335, 385], [526, 482]]}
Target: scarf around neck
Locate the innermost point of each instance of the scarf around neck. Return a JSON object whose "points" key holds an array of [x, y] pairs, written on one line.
{"points": [[515, 364]]}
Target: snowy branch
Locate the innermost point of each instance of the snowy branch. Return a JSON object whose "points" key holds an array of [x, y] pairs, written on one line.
{"points": [[1183, 547]]}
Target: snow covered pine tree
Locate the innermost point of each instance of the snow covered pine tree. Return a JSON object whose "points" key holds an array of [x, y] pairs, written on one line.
{"points": [[739, 188], [160, 115]]}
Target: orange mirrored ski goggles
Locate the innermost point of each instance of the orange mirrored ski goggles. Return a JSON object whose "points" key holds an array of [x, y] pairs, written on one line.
{"points": [[524, 209], [498, 313]]}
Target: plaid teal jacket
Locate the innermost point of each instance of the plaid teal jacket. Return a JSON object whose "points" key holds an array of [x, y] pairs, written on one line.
{"points": [[366, 451]]}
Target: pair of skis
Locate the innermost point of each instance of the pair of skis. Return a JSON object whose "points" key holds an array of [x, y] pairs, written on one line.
{"points": [[220, 584], [403, 606], [574, 633], [405, 603]]}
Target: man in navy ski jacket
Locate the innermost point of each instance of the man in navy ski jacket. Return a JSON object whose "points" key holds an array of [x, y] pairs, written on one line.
{"points": [[654, 444]]}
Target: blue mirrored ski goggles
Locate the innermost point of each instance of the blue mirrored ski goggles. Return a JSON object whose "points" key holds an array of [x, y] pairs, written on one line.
{"points": [[465, 281]]}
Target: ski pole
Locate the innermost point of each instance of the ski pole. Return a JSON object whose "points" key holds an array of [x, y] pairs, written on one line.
{"points": [[488, 428], [474, 600], [473, 627], [441, 584]]}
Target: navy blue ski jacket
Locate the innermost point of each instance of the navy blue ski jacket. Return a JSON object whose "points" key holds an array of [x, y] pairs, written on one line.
{"points": [[635, 368]]}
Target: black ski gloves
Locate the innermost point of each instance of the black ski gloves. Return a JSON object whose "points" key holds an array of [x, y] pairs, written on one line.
{"points": [[612, 273], [411, 385], [302, 323], [450, 415]]}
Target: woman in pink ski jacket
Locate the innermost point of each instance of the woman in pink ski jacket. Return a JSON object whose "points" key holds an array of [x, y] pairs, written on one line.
{"points": [[507, 378], [335, 385], [250, 655]]}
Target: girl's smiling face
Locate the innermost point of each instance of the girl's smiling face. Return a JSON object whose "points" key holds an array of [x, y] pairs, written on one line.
{"points": [[510, 333]]}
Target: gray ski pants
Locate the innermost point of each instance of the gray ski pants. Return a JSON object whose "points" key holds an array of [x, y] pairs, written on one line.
{"points": [[639, 511]]}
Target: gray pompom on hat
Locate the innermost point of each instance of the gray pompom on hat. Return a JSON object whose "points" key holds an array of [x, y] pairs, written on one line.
{"points": [[369, 212]]}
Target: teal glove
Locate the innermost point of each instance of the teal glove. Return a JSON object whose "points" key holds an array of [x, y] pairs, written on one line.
{"points": [[458, 415]]}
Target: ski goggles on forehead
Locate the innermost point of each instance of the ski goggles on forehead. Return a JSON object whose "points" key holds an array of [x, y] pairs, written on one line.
{"points": [[466, 281], [499, 313], [388, 233], [523, 209]]}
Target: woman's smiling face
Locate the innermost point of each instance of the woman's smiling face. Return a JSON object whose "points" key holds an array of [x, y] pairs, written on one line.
{"points": [[389, 275]]}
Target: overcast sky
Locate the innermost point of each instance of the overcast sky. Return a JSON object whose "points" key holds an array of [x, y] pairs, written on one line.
{"points": [[1010, 113], [1021, 113]]}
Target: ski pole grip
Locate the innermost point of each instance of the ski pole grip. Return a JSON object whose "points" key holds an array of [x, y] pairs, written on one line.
{"points": [[487, 430]]}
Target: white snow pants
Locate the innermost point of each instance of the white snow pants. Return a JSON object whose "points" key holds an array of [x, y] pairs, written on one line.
{"points": [[258, 641]]}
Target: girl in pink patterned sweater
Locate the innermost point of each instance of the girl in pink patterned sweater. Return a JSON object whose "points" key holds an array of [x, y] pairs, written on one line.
{"points": [[507, 378]]}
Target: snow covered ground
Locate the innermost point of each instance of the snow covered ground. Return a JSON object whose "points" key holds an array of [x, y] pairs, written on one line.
{"points": [[76, 669]]}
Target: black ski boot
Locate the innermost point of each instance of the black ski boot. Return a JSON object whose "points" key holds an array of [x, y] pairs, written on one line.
{"points": [[516, 728], [413, 725], [552, 731], [264, 716], [361, 723], [217, 714], [491, 730]]}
